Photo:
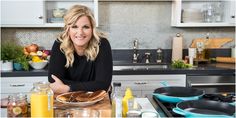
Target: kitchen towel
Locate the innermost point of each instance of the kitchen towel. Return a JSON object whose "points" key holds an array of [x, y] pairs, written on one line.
{"points": [[177, 48]]}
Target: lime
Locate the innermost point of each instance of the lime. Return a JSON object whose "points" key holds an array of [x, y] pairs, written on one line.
{"points": [[17, 110]]}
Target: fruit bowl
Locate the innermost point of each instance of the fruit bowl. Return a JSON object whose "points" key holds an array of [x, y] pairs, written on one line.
{"points": [[38, 65]]}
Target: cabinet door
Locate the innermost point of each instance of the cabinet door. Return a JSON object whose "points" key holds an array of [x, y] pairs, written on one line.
{"points": [[18, 12], [231, 8]]}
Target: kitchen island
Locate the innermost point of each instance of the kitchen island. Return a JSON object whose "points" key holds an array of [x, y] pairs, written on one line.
{"points": [[142, 80], [16, 79]]}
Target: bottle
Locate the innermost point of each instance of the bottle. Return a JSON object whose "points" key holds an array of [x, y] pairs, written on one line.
{"points": [[128, 98], [206, 50], [200, 50], [17, 105], [116, 101], [41, 100], [159, 55]]}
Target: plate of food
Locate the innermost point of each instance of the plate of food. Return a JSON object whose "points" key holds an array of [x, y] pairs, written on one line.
{"points": [[81, 98]]}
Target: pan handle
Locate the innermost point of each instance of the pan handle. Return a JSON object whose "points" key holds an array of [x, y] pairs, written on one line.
{"points": [[180, 111], [189, 98], [191, 114], [164, 83]]}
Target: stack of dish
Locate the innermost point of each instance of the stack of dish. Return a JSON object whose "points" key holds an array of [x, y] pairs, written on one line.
{"points": [[192, 15]]}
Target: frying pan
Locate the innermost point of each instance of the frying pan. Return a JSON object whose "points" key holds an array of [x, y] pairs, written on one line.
{"points": [[205, 108], [177, 94]]}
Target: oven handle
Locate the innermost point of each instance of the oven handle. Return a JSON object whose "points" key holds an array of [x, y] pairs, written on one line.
{"points": [[212, 84]]}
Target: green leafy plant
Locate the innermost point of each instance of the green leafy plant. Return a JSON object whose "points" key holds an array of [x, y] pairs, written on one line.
{"points": [[180, 64], [14, 52], [23, 60], [10, 51]]}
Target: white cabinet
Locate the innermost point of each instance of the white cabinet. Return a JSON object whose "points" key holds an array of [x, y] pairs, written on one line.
{"points": [[143, 85], [195, 13], [38, 13], [11, 85], [22, 12]]}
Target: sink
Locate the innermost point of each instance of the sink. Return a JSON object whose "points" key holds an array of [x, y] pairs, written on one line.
{"points": [[128, 65], [122, 62], [140, 67]]}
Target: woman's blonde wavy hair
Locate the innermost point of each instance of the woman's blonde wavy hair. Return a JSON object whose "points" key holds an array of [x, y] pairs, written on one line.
{"points": [[67, 47]]}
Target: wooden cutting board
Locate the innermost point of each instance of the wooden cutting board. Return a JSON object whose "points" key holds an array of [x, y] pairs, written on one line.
{"points": [[225, 59], [212, 42]]}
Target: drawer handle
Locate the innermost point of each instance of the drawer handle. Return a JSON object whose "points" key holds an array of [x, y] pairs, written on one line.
{"points": [[40, 17], [213, 84], [140, 83], [17, 85]]}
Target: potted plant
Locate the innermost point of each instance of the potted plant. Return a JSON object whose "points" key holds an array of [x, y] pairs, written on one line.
{"points": [[21, 62], [10, 52]]}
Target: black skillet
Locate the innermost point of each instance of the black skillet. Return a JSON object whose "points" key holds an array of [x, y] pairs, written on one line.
{"points": [[177, 94], [205, 108]]}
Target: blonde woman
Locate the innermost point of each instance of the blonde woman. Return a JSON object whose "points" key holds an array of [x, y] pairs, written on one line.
{"points": [[81, 57]]}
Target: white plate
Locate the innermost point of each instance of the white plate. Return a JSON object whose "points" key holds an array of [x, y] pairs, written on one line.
{"points": [[81, 104]]}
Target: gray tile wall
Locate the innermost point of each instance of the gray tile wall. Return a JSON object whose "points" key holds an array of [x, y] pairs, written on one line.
{"points": [[149, 22]]}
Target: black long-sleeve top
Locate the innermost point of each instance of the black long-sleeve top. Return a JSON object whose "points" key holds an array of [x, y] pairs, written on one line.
{"points": [[84, 75]]}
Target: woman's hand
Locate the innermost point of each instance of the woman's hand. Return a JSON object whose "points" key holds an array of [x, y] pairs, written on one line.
{"points": [[58, 86]]}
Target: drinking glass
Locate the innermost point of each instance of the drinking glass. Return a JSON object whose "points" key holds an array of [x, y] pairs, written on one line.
{"points": [[78, 113]]}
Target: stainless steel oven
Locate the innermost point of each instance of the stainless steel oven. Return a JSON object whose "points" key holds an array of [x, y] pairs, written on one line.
{"points": [[213, 83]]}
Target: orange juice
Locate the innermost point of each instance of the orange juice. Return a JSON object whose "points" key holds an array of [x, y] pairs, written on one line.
{"points": [[41, 105], [41, 100]]}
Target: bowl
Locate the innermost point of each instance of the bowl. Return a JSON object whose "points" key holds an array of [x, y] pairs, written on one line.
{"points": [[38, 65], [59, 12], [77, 113]]}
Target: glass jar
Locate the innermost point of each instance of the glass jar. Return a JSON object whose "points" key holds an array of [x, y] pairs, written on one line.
{"points": [[41, 100], [208, 12], [17, 105]]}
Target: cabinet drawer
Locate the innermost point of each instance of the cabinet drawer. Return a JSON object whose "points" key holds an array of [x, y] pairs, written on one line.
{"points": [[135, 93], [16, 87], [19, 84], [151, 85], [131, 84]]}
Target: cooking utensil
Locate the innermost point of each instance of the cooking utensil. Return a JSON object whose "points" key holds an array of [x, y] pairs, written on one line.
{"points": [[204, 108], [177, 94]]}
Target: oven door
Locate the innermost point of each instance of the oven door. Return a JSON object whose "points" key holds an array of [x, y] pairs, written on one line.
{"points": [[213, 83]]}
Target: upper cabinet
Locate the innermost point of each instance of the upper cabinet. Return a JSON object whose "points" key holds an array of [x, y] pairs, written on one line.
{"points": [[203, 13], [40, 13], [17, 12]]}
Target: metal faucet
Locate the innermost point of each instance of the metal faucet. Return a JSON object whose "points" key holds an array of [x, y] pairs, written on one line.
{"points": [[135, 54]]}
